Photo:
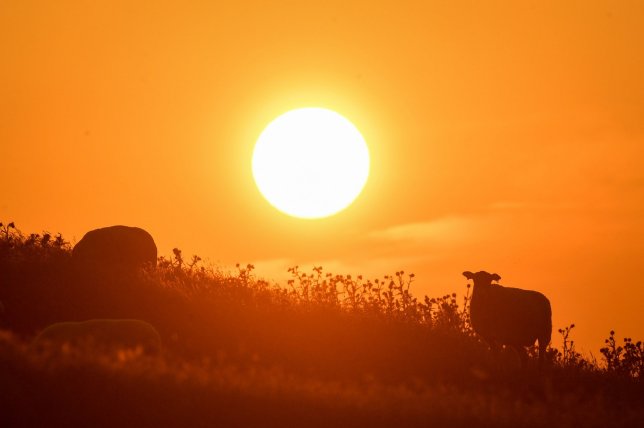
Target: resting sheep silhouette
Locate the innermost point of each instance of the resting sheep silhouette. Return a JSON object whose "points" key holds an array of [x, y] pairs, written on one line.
{"points": [[114, 251], [102, 334], [509, 316]]}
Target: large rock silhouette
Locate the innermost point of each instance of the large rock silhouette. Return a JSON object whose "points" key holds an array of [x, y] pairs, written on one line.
{"points": [[114, 250]]}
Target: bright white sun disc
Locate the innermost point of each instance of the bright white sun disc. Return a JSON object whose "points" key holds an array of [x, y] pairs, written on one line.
{"points": [[310, 163]]}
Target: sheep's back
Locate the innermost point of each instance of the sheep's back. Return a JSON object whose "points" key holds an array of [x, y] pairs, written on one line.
{"points": [[103, 333]]}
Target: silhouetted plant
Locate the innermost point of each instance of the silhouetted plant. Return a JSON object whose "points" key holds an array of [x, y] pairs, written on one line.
{"points": [[612, 353], [6, 230], [569, 356], [33, 249], [626, 360]]}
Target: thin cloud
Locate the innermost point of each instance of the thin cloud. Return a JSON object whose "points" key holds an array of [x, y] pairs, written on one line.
{"points": [[273, 269], [506, 205], [447, 229], [371, 267], [277, 270]]}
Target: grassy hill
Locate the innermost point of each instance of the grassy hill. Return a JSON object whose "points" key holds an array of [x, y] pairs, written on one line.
{"points": [[321, 350]]}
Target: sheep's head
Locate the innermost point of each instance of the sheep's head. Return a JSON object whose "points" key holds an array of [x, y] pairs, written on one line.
{"points": [[482, 277]]}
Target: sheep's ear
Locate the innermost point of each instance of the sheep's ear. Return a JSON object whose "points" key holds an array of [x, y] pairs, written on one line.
{"points": [[467, 274], [495, 277]]}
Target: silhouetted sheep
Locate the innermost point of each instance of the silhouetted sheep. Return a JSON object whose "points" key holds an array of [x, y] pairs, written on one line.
{"points": [[509, 316], [102, 333], [114, 249]]}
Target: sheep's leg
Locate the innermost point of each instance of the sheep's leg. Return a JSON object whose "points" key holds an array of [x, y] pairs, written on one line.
{"points": [[542, 351], [496, 351], [523, 356]]}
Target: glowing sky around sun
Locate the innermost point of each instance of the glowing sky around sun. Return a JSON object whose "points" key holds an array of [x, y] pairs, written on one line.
{"points": [[310, 162]]}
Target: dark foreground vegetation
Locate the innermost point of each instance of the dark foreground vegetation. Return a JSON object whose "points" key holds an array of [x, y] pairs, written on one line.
{"points": [[323, 350]]}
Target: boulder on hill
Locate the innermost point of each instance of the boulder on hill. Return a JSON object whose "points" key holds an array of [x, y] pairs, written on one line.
{"points": [[114, 249]]}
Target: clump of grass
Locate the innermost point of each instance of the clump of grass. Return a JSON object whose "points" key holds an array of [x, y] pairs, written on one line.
{"points": [[318, 321], [569, 357], [624, 360], [82, 387], [36, 248]]}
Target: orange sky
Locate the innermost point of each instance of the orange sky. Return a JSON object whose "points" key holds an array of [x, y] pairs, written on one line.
{"points": [[507, 139]]}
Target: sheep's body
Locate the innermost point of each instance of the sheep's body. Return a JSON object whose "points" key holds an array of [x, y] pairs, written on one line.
{"points": [[114, 250], [509, 316], [112, 333]]}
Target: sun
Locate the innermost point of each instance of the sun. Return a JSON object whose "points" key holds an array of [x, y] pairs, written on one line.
{"points": [[310, 163]]}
